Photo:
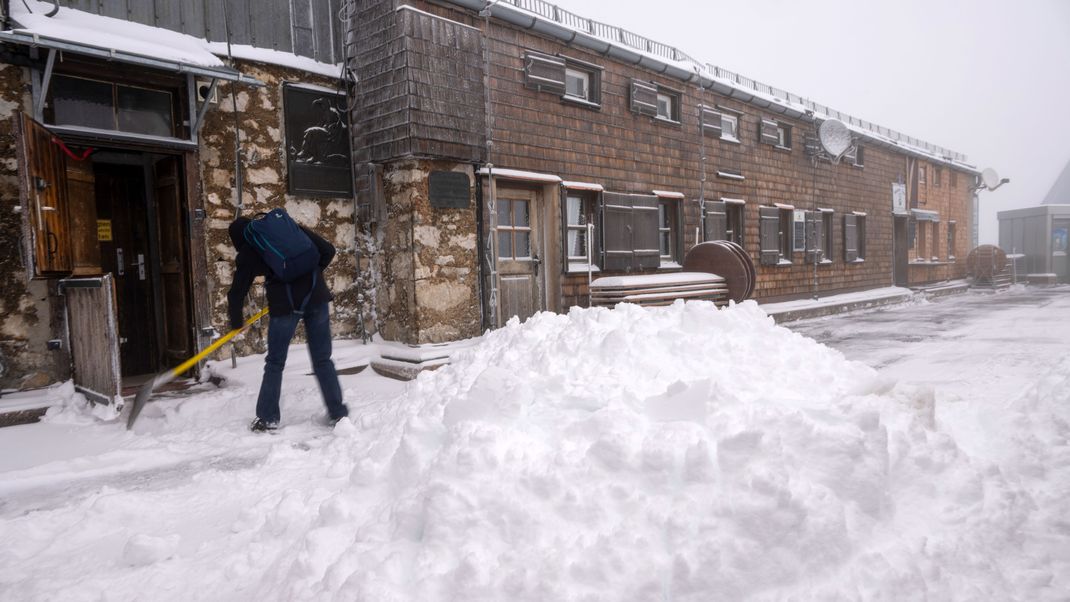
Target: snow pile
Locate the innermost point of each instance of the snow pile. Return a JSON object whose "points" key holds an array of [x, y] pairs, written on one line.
{"points": [[683, 453]]}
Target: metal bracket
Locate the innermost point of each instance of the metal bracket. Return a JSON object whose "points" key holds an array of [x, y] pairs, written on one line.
{"points": [[39, 102]]}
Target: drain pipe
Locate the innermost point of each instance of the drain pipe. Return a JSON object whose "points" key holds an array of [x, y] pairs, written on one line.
{"points": [[492, 205]]}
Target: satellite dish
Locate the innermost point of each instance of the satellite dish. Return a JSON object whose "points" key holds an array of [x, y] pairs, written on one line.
{"points": [[990, 178], [834, 136]]}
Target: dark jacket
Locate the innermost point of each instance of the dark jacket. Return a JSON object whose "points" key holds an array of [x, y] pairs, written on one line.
{"points": [[249, 265]]}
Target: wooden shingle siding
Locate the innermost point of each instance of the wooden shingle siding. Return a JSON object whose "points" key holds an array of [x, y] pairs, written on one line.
{"points": [[309, 28]]}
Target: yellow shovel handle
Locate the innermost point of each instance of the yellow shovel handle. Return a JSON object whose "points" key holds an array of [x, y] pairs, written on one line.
{"points": [[216, 345]]}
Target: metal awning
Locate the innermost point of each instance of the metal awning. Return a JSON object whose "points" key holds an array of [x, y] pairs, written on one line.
{"points": [[924, 215], [112, 54]]}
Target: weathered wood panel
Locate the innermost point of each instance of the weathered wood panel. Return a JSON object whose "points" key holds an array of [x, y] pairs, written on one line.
{"points": [[94, 337], [81, 194]]}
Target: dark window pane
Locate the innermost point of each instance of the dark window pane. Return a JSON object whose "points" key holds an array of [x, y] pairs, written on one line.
{"points": [[82, 102], [503, 213], [663, 242], [520, 214], [145, 111], [522, 247], [505, 244]]}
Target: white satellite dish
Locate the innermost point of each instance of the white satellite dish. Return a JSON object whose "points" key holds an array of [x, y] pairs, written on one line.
{"points": [[990, 178], [834, 136]]}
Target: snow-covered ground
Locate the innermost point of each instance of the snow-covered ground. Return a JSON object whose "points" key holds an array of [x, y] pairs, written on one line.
{"points": [[680, 453]]}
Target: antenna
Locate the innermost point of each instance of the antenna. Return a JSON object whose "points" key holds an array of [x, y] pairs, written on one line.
{"points": [[835, 138], [990, 178]]}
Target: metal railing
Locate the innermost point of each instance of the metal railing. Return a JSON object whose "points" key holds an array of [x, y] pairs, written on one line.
{"points": [[626, 38]]}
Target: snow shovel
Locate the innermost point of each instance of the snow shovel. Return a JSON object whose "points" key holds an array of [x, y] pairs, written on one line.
{"points": [[163, 378]]}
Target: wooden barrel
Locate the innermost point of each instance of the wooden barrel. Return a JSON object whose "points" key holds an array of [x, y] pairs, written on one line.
{"points": [[986, 261]]}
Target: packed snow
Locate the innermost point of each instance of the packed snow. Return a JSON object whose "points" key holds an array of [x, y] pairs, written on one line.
{"points": [[678, 453]]}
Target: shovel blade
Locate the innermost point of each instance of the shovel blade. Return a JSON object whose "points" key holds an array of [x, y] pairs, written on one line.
{"points": [[143, 395]]}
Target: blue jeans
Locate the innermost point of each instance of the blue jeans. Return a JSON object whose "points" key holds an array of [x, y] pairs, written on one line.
{"points": [[280, 332]]}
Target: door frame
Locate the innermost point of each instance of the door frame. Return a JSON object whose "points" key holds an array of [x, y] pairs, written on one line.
{"points": [[539, 216]]}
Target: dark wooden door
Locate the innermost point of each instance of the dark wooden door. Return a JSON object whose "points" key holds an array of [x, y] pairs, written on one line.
{"points": [[94, 337], [43, 195], [123, 207], [900, 250], [519, 254], [173, 266]]}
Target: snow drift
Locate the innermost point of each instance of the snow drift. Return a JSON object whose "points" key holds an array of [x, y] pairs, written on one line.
{"points": [[680, 453]]}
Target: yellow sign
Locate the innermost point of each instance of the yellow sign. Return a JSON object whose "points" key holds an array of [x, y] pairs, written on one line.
{"points": [[104, 230]]}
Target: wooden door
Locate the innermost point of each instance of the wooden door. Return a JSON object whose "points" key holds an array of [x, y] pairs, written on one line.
{"points": [[94, 337], [43, 195], [174, 273], [519, 254], [900, 248], [122, 203], [82, 202]]}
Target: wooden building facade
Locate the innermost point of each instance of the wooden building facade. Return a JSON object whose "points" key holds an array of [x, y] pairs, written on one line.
{"points": [[591, 151]]}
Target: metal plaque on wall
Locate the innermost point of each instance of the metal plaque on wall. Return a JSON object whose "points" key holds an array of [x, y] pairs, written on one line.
{"points": [[317, 142], [449, 189]]}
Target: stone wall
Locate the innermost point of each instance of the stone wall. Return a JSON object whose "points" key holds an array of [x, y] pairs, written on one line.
{"points": [[263, 154], [27, 318], [429, 262]]}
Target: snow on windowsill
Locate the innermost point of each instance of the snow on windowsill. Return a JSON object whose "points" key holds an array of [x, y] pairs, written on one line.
{"points": [[731, 139], [581, 101], [784, 262], [670, 265], [582, 268]]}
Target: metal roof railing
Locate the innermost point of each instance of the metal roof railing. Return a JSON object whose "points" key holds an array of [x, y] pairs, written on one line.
{"points": [[635, 41]]}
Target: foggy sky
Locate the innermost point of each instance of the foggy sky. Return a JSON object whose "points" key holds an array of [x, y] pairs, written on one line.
{"points": [[988, 78]]}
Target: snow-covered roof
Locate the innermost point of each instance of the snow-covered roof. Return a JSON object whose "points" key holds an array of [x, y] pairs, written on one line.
{"points": [[516, 174], [551, 20], [127, 41]]}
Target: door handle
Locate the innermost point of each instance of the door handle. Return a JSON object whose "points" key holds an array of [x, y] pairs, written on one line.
{"points": [[536, 262]]}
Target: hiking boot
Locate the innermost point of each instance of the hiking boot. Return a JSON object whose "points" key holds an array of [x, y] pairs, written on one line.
{"points": [[261, 426]]}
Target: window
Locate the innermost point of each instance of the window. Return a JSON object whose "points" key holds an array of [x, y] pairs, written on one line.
{"points": [[951, 235], [825, 237], [923, 242], [631, 231], [921, 174], [937, 172], [578, 215], [799, 230], [514, 230], [667, 230], [730, 127], [577, 84], [724, 220], [102, 105], [574, 80], [860, 156], [935, 242], [854, 238], [774, 133], [783, 134], [668, 104], [775, 235]]}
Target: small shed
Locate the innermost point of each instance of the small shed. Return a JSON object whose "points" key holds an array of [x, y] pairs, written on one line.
{"points": [[1040, 234]]}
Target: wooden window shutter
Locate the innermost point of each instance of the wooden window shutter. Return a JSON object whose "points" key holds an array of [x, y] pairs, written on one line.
{"points": [[616, 232], [645, 232], [912, 232], [767, 132], [644, 98], [711, 122], [43, 195], [769, 235], [82, 203], [814, 236], [544, 72], [716, 220], [850, 238]]}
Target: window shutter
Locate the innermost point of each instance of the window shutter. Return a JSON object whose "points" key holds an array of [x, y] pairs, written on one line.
{"points": [[644, 98], [769, 231], [814, 252], [711, 122], [544, 72], [767, 132], [716, 220], [616, 231], [645, 232], [850, 238]]}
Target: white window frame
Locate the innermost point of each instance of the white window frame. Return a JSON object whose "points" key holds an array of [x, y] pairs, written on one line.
{"points": [[572, 73], [727, 118], [671, 102], [783, 133], [667, 225], [798, 239]]}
